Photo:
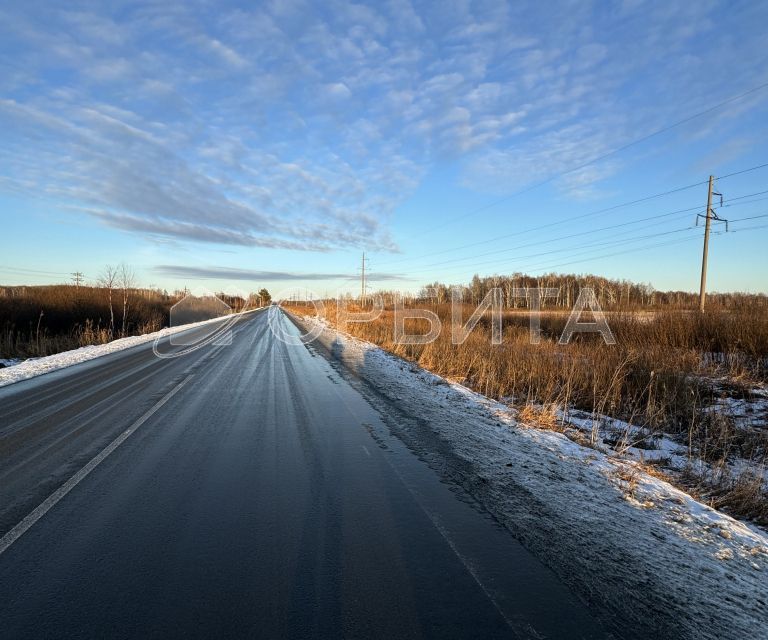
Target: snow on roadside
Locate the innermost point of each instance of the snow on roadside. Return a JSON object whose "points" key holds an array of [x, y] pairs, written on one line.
{"points": [[38, 366], [651, 560]]}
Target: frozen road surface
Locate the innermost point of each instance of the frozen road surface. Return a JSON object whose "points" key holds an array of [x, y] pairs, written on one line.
{"points": [[244, 490]]}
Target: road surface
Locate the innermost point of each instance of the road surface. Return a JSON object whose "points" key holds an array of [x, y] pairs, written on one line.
{"points": [[243, 491]]}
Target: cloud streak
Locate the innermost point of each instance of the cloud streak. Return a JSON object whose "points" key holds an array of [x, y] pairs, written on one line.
{"points": [[228, 273]]}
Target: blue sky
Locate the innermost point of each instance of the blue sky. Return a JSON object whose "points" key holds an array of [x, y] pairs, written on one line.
{"points": [[269, 144]]}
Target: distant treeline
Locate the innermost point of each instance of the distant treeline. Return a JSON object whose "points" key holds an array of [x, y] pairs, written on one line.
{"points": [[611, 294]]}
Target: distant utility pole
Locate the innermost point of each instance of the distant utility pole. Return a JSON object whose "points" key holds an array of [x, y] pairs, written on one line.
{"points": [[362, 282], [710, 215], [77, 278]]}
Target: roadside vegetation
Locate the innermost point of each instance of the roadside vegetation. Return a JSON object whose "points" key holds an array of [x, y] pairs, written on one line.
{"points": [[683, 393], [38, 321]]}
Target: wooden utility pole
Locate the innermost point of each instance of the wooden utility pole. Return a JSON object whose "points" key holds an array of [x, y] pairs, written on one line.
{"points": [[707, 224], [362, 282]]}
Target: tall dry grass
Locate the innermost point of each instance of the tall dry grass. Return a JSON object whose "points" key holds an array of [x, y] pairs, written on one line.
{"points": [[39, 321], [42, 320], [656, 374], [660, 375]]}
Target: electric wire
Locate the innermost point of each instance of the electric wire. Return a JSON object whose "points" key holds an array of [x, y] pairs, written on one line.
{"points": [[583, 165], [579, 217]]}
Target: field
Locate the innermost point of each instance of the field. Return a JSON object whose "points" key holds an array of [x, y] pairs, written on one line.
{"points": [[683, 392]]}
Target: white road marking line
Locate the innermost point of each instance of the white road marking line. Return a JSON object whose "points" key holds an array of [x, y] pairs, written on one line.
{"points": [[366, 450], [20, 529]]}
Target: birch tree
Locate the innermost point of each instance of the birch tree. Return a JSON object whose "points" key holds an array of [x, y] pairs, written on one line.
{"points": [[127, 281], [108, 280]]}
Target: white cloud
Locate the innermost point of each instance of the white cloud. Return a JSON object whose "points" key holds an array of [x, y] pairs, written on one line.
{"points": [[229, 55], [337, 90], [287, 124]]}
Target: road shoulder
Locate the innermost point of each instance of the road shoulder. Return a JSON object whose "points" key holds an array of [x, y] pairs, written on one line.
{"points": [[646, 557]]}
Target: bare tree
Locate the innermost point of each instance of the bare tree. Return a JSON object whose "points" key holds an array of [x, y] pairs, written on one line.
{"points": [[127, 280], [108, 280]]}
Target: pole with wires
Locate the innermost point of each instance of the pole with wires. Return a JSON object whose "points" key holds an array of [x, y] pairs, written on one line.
{"points": [[709, 217], [362, 282], [707, 225]]}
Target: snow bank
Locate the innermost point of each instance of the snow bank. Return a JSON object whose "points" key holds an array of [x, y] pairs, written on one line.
{"points": [[649, 559], [38, 366]]}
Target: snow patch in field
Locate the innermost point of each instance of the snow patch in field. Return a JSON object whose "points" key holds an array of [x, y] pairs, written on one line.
{"points": [[748, 413], [635, 546]]}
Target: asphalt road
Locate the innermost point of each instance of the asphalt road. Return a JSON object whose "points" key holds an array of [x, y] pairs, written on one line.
{"points": [[243, 491]]}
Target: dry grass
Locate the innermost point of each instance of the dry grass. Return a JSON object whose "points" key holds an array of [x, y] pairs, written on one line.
{"points": [[629, 479], [743, 496], [39, 321], [657, 376], [541, 417], [43, 320]]}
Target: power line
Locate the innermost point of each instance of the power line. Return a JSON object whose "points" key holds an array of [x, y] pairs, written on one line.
{"points": [[579, 217], [738, 173], [554, 177], [580, 252], [739, 204], [558, 222], [758, 226], [580, 234], [37, 277], [765, 215], [747, 195], [630, 241], [23, 270], [623, 242], [608, 255], [601, 243], [635, 249], [568, 236]]}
